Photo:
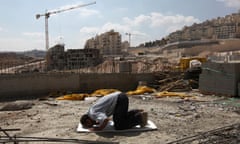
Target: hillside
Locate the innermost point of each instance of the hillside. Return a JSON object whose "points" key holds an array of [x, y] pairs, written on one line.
{"points": [[226, 27], [9, 59], [35, 54], [12, 59], [223, 45]]}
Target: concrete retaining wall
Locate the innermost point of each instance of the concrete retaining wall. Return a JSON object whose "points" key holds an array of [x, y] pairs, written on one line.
{"points": [[28, 86], [220, 78]]}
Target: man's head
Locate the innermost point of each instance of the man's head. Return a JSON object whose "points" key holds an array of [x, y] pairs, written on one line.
{"points": [[86, 121]]}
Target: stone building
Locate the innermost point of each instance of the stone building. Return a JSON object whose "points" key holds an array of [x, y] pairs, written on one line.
{"points": [[58, 59], [109, 43]]}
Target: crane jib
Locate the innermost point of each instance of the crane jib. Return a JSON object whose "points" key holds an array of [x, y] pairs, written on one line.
{"points": [[48, 13]]}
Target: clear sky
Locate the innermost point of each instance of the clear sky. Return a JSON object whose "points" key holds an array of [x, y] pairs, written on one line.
{"points": [[146, 20]]}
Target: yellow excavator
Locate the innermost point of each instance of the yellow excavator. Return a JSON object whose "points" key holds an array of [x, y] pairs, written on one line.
{"points": [[191, 66], [190, 62]]}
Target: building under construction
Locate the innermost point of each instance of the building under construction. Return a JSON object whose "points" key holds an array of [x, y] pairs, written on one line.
{"points": [[58, 59]]}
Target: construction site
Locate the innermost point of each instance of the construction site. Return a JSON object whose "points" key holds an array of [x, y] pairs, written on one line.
{"points": [[190, 99], [190, 88]]}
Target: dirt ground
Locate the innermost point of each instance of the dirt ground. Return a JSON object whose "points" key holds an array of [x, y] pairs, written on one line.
{"points": [[175, 118]]}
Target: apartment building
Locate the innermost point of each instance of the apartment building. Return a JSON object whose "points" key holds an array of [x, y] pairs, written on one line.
{"points": [[109, 43], [91, 43], [125, 46]]}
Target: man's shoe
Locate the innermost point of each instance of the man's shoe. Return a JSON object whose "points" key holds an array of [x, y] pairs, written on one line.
{"points": [[140, 110], [144, 119]]}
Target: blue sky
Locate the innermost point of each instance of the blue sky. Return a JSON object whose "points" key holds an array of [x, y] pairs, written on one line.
{"points": [[146, 20]]}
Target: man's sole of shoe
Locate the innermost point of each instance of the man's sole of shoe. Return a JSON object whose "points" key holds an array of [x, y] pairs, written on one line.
{"points": [[144, 116]]}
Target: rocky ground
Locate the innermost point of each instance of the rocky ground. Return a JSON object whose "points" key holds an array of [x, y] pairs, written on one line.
{"points": [[175, 118]]}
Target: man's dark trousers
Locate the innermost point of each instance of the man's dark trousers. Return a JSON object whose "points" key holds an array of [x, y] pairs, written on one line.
{"points": [[124, 119]]}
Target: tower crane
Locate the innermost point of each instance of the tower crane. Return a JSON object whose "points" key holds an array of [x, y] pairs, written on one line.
{"points": [[129, 37], [47, 15]]}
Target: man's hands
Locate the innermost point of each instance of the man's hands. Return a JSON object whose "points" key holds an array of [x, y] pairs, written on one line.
{"points": [[102, 126], [91, 129]]}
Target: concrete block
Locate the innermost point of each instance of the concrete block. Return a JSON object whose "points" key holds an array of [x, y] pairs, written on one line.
{"points": [[220, 78]]}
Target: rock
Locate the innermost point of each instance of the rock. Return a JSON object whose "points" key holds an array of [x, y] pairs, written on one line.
{"points": [[17, 105]]}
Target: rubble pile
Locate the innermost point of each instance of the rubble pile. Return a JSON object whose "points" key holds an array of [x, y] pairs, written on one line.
{"points": [[224, 135], [172, 81]]}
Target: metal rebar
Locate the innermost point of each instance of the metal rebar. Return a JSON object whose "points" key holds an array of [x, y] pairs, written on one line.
{"points": [[42, 139]]}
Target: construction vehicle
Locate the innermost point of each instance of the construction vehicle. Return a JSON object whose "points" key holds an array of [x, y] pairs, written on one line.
{"points": [[189, 62], [191, 67]]}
